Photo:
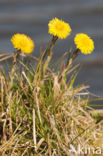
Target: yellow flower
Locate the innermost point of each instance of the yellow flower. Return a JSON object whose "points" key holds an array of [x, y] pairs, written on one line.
{"points": [[59, 28], [23, 43], [84, 43]]}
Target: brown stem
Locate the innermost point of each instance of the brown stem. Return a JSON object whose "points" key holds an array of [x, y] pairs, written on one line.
{"points": [[75, 54], [66, 67], [54, 39], [16, 55], [49, 49], [13, 70]]}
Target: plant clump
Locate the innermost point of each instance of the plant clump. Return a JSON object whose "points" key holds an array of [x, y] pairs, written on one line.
{"points": [[41, 112]]}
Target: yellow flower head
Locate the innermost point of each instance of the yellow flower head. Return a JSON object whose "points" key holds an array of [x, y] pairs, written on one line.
{"points": [[84, 43], [59, 28], [23, 43]]}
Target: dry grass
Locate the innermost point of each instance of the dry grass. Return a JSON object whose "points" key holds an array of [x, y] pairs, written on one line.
{"points": [[41, 113]]}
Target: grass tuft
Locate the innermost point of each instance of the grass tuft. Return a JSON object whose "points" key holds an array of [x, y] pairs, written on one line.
{"points": [[41, 113]]}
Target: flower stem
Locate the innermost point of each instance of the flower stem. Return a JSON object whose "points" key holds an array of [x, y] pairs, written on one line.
{"points": [[49, 49], [16, 55], [75, 54], [54, 39], [48, 52]]}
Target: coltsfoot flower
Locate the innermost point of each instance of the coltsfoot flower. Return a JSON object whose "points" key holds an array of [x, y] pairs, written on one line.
{"points": [[84, 43], [59, 28], [23, 43]]}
